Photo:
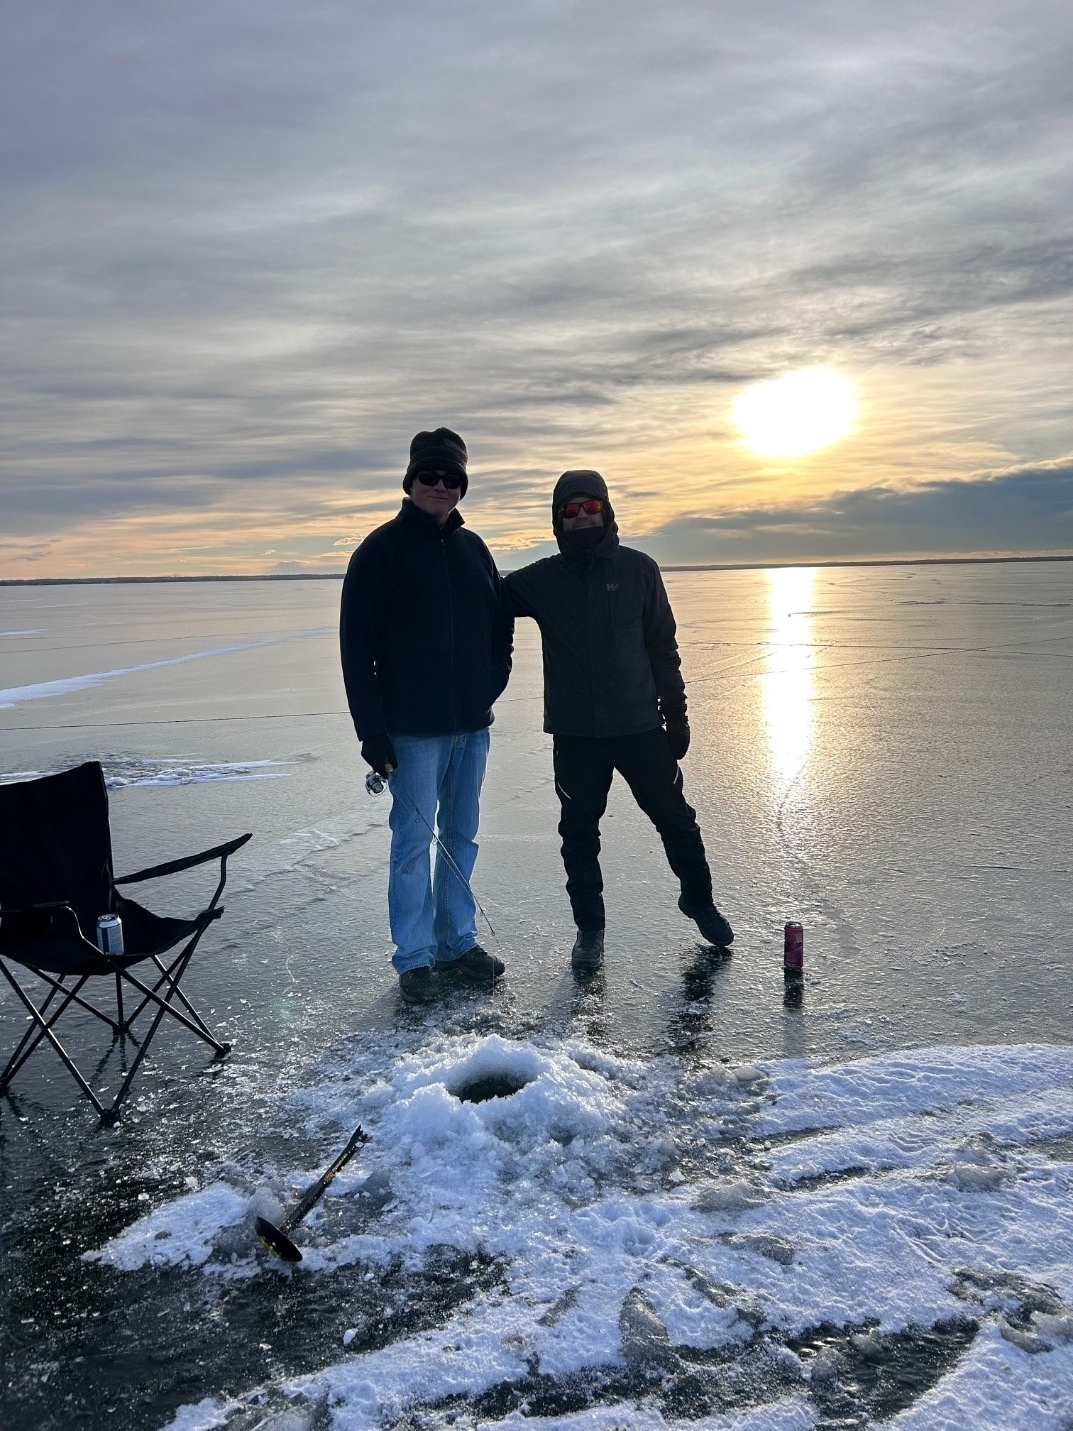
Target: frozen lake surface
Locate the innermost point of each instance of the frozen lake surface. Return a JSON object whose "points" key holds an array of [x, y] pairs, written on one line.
{"points": [[707, 1204]]}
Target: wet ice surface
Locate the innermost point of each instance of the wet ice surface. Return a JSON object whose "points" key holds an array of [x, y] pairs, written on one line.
{"points": [[704, 1204]]}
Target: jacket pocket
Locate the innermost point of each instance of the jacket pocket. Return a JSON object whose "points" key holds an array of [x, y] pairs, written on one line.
{"points": [[625, 617]]}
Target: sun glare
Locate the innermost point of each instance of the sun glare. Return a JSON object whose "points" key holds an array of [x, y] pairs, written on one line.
{"points": [[796, 414]]}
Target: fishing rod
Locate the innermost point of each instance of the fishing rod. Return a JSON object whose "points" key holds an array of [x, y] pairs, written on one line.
{"points": [[276, 1239], [375, 785]]}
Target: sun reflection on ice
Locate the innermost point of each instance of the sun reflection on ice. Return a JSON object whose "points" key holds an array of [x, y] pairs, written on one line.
{"points": [[787, 683]]}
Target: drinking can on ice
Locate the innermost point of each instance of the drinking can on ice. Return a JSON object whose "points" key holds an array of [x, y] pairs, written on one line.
{"points": [[793, 948], [110, 934]]}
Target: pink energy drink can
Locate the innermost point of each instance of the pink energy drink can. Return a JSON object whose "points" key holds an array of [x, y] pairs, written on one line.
{"points": [[793, 948]]}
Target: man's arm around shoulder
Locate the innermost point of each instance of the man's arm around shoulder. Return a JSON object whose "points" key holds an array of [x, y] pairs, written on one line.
{"points": [[520, 588], [502, 625]]}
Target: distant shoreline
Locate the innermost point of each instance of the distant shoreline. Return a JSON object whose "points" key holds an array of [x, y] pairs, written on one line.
{"points": [[700, 566]]}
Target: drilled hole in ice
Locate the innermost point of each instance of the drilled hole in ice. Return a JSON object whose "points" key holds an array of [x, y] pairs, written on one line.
{"points": [[490, 1085]]}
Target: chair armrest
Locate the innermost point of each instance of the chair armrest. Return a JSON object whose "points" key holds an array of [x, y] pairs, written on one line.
{"points": [[34, 921], [220, 852], [36, 908]]}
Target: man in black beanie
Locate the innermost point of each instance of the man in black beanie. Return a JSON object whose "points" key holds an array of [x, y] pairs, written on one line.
{"points": [[426, 648], [614, 699]]}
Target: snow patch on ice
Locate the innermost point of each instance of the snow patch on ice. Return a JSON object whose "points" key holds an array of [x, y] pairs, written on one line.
{"points": [[71, 685], [995, 1384], [205, 1415], [649, 1213], [309, 842], [122, 772], [181, 1231], [143, 770]]}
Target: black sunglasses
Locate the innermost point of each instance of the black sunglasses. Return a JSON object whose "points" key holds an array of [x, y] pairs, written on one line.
{"points": [[451, 480]]}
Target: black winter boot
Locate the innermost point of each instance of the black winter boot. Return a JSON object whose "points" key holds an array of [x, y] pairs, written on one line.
{"points": [[476, 966], [588, 952], [417, 986], [709, 921]]}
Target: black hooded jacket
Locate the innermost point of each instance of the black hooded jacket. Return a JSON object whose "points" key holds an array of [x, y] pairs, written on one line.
{"points": [[610, 655], [424, 638]]}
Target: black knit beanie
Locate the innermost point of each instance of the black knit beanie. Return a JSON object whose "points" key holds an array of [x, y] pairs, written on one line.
{"points": [[439, 451], [583, 481]]}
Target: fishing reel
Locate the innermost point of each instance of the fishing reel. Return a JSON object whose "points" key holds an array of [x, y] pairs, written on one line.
{"points": [[375, 783]]}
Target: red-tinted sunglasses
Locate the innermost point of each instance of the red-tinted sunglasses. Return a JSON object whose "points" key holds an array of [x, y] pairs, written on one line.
{"points": [[450, 480], [574, 509]]}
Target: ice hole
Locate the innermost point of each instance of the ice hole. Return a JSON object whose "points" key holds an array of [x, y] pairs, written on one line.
{"points": [[500, 1084]]}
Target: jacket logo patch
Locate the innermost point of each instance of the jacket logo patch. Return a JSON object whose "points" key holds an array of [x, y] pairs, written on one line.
{"points": [[612, 586]]}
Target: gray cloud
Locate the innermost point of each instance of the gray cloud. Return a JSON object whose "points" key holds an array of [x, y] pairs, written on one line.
{"points": [[254, 246], [1026, 510]]}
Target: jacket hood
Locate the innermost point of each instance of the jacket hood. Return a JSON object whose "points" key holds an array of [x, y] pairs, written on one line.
{"points": [[583, 480]]}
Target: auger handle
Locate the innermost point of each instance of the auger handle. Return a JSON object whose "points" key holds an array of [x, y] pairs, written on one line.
{"points": [[315, 1192]]}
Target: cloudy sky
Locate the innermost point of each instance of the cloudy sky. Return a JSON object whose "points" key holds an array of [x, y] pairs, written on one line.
{"points": [[251, 246]]}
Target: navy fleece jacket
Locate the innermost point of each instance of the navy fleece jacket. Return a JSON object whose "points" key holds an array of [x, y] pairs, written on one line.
{"points": [[424, 638]]}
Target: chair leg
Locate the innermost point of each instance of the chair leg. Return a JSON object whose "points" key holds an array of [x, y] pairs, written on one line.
{"points": [[166, 978], [71, 995], [172, 975], [166, 973], [165, 1004], [39, 1027], [188, 1023], [178, 993], [45, 1027], [169, 1002], [14, 1063], [111, 1115]]}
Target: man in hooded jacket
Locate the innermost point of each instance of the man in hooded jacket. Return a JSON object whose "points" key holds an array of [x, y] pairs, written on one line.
{"points": [[614, 699]]}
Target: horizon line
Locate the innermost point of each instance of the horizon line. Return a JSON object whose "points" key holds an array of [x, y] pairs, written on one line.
{"points": [[680, 566]]}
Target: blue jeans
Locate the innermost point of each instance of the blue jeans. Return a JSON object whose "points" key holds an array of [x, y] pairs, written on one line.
{"points": [[438, 783]]}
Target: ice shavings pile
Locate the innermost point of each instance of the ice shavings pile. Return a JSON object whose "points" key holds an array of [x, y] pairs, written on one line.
{"points": [[143, 770], [686, 1241], [181, 1231]]}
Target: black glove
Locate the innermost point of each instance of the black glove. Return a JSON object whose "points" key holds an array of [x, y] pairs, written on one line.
{"points": [[677, 726], [377, 751], [678, 734]]}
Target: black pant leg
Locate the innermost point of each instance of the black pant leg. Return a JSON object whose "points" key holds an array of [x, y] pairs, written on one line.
{"points": [[655, 778], [584, 768]]}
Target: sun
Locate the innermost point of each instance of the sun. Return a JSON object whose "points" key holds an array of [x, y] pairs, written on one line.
{"points": [[796, 414]]}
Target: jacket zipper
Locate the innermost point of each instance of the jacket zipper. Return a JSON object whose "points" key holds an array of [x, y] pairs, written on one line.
{"points": [[450, 629]]}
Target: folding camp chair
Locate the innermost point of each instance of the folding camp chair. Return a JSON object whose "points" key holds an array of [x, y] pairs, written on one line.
{"points": [[55, 880]]}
